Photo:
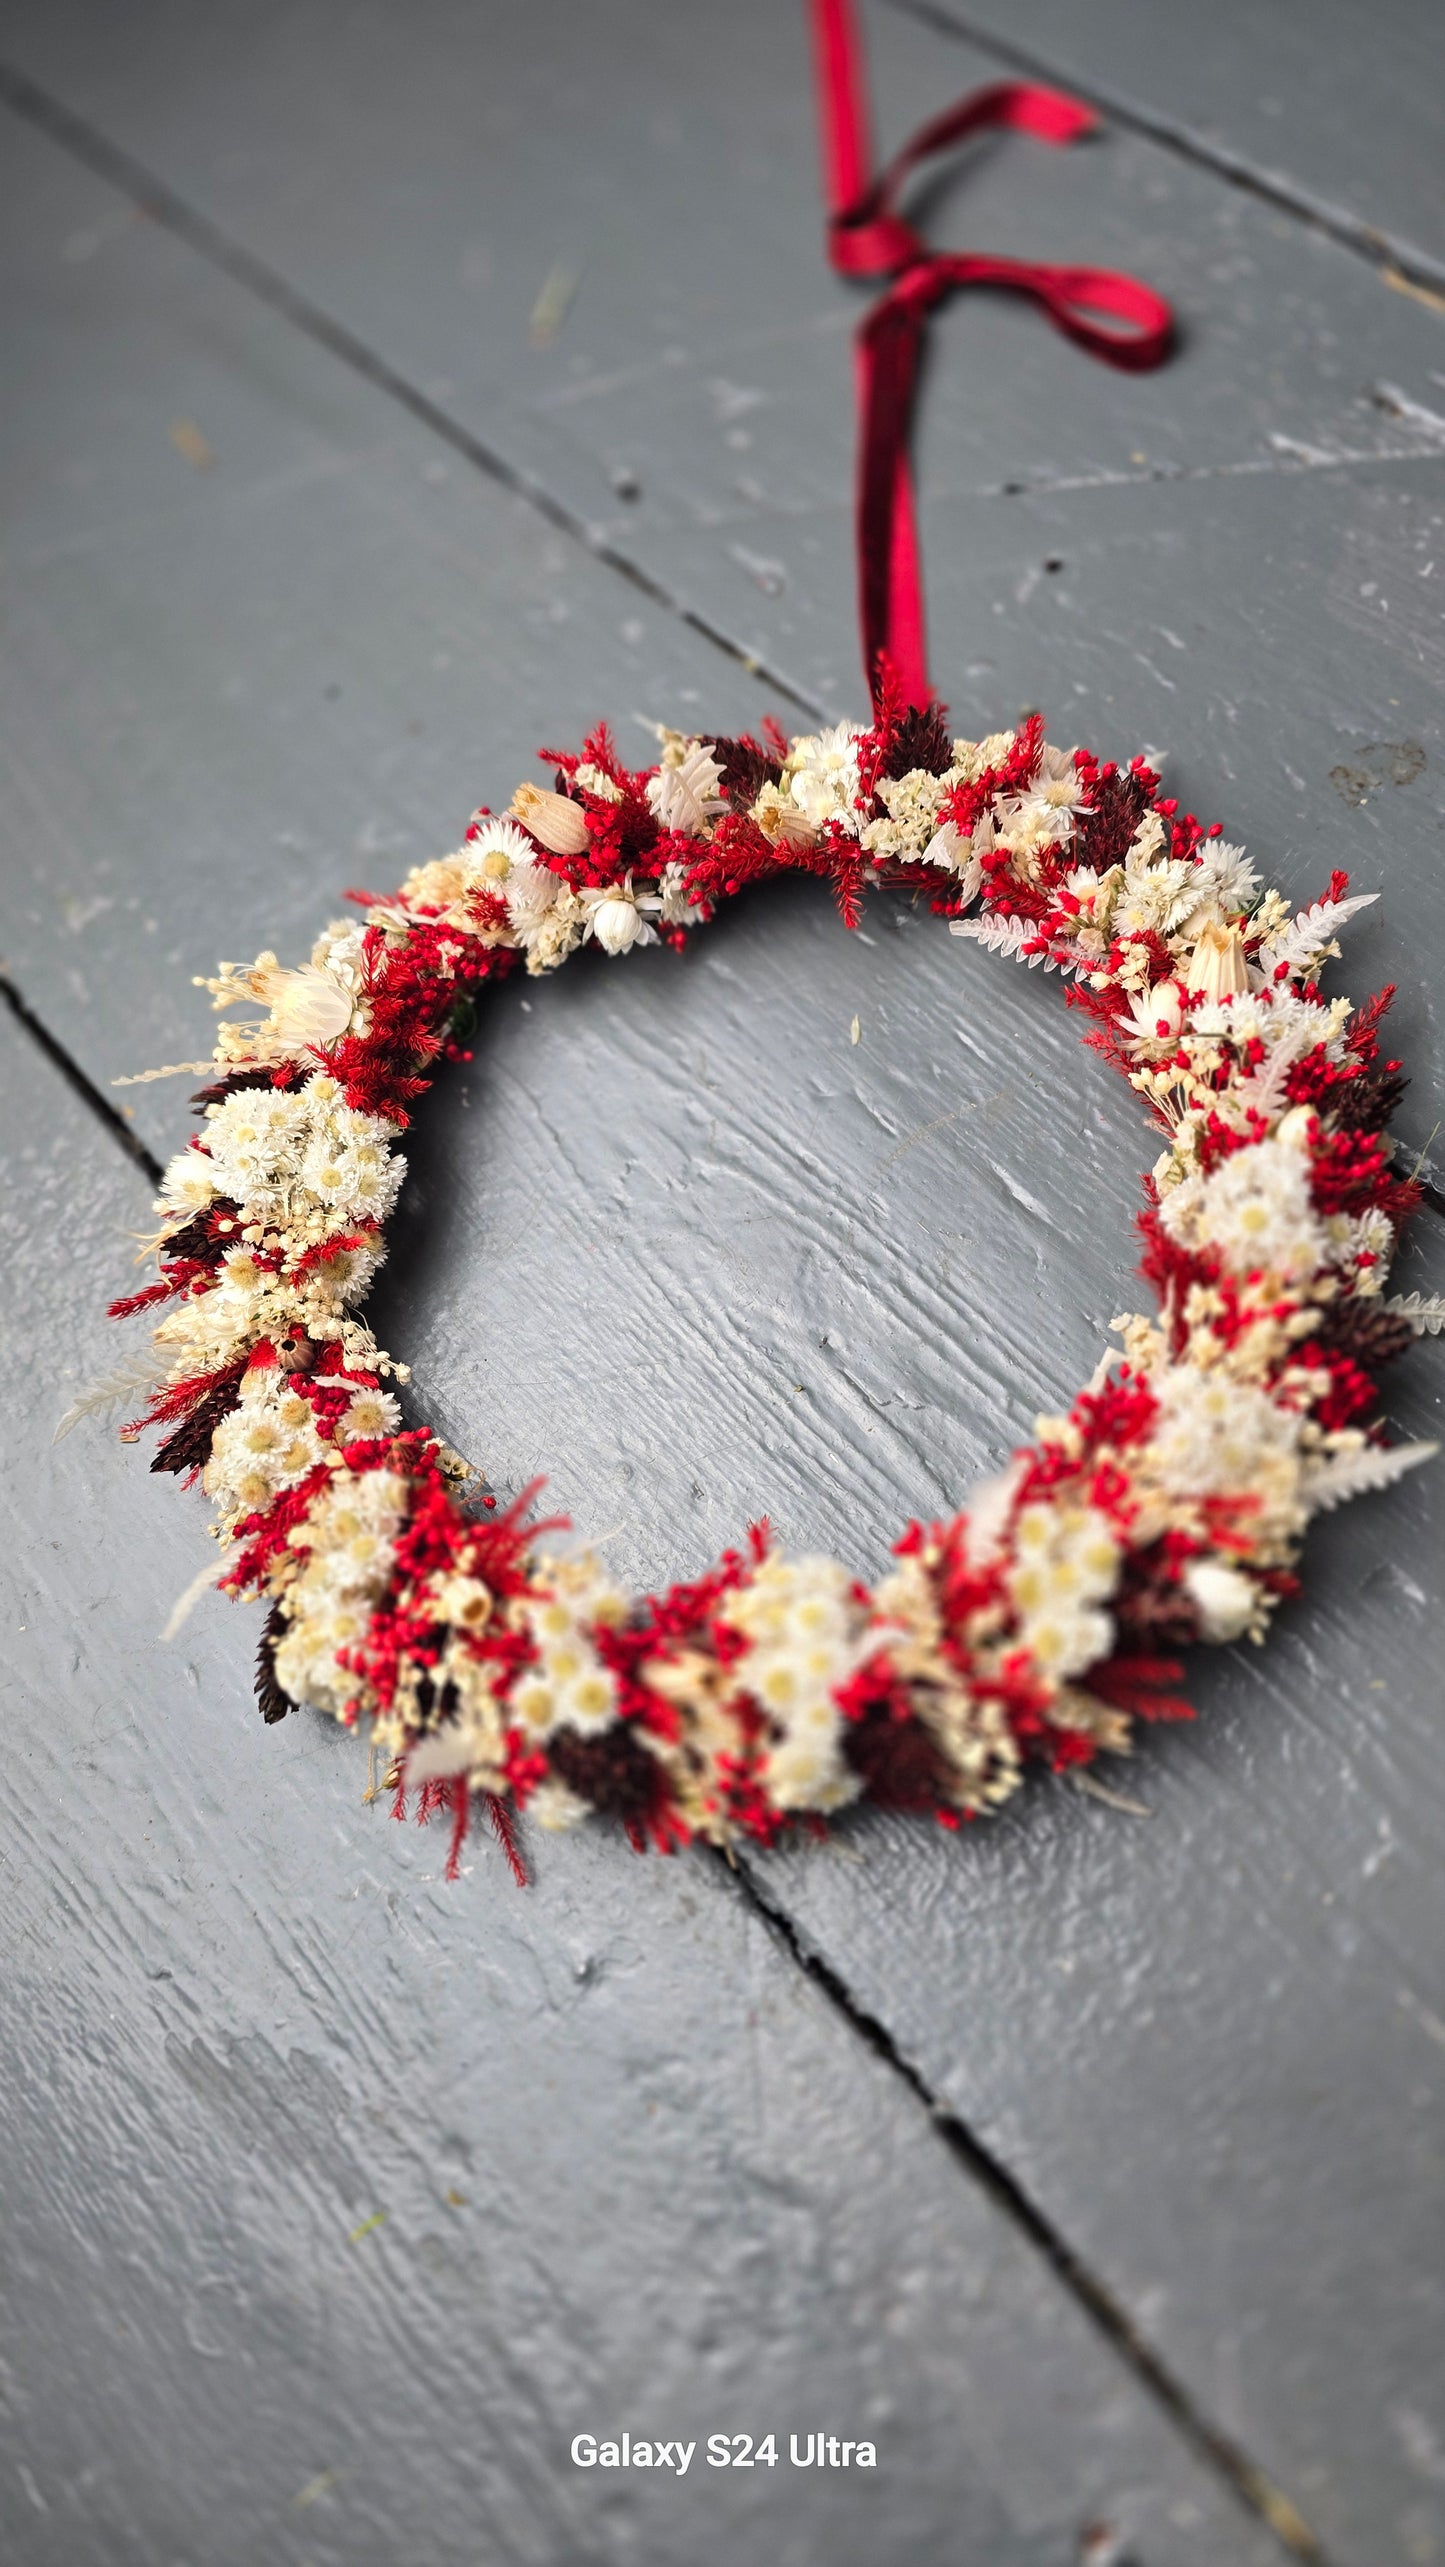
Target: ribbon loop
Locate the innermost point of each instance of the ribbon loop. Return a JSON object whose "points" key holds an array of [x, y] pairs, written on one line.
{"points": [[869, 237]]}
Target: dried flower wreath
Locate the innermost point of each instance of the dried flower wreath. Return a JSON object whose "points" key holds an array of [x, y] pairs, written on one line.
{"points": [[1166, 1507]]}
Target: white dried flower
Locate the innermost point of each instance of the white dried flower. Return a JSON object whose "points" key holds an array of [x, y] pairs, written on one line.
{"points": [[189, 1183], [684, 794], [1225, 878], [595, 780], [1065, 1567], [464, 1601], [1226, 1601], [778, 817], [550, 938], [1155, 1014], [1255, 1210], [673, 906], [949, 849], [530, 891], [1057, 780], [912, 802], [616, 923], [1217, 1437], [555, 1807], [821, 775], [489, 860], [807, 1636], [371, 1413]]}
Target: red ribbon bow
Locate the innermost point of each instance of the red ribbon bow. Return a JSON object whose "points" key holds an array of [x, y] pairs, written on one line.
{"points": [[867, 236]]}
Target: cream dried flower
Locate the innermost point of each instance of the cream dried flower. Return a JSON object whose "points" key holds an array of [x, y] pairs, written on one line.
{"points": [[1217, 966], [556, 822]]}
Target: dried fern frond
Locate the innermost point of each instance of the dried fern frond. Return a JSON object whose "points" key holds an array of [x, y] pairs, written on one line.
{"points": [[1357, 1474], [171, 1069], [131, 1383], [1310, 936], [1424, 1310]]}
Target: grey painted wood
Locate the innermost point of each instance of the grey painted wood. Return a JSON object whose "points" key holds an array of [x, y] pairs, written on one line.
{"points": [[1340, 105], [422, 176], [201, 741], [778, 1189], [337, 2201], [1209, 2040]]}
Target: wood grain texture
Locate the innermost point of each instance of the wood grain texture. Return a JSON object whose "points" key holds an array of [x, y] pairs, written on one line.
{"points": [[1339, 107], [337, 2201], [422, 179], [202, 739], [1206, 2043], [424, 175]]}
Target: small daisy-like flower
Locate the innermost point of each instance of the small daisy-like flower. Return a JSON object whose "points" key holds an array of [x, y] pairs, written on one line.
{"points": [[587, 1702], [822, 777], [533, 1703], [489, 860], [1066, 1565], [189, 1183], [1255, 1211], [1056, 781], [371, 1413], [1218, 1437], [1226, 878]]}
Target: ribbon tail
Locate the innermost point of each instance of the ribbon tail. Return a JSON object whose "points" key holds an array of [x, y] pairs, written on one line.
{"points": [[1116, 318], [842, 101], [907, 622]]}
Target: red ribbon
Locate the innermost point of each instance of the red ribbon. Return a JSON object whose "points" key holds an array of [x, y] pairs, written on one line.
{"points": [[867, 236]]}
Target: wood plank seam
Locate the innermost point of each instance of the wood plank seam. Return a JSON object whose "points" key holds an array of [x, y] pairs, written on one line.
{"points": [[1254, 2489], [161, 204], [109, 1116], [1398, 259]]}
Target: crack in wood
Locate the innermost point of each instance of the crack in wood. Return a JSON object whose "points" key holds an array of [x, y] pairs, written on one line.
{"points": [[1254, 2489]]}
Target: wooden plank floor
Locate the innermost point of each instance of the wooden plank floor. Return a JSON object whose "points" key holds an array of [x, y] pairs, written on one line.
{"points": [[1095, 2161]]}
